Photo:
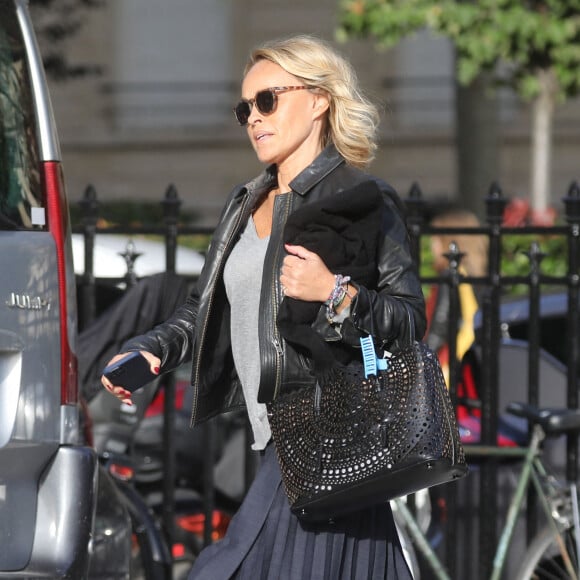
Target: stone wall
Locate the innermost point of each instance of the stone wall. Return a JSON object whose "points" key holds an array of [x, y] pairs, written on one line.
{"points": [[132, 160]]}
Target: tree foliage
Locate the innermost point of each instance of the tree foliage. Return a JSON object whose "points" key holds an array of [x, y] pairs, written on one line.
{"points": [[532, 46], [524, 36], [55, 21]]}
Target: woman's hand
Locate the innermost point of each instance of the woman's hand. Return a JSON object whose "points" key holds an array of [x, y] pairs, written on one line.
{"points": [[305, 276], [122, 394]]}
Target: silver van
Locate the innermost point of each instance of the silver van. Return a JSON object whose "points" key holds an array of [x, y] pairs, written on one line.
{"points": [[49, 476]]}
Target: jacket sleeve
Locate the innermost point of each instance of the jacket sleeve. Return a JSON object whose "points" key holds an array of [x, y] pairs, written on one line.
{"points": [[171, 340], [393, 312]]}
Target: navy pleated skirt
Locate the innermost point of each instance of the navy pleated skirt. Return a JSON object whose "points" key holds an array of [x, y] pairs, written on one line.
{"points": [[265, 541]]}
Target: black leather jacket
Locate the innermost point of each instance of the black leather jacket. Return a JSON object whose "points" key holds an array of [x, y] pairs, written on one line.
{"points": [[200, 329]]}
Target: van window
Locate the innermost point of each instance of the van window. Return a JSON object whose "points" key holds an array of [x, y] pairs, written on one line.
{"points": [[20, 187]]}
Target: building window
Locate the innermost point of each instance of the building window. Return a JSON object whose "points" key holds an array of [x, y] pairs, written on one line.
{"points": [[172, 63]]}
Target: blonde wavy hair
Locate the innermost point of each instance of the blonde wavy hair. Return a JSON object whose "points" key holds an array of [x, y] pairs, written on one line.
{"points": [[352, 120]]}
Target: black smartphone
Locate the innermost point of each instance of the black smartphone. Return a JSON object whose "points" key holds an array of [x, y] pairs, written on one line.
{"points": [[131, 372]]}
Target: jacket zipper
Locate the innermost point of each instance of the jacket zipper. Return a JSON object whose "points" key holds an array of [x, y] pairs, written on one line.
{"points": [[277, 341], [195, 372]]}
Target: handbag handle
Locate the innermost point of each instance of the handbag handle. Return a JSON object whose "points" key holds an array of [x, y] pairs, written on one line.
{"points": [[412, 337], [411, 323]]}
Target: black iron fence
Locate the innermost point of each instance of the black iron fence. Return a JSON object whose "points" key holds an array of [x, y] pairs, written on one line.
{"points": [[492, 288]]}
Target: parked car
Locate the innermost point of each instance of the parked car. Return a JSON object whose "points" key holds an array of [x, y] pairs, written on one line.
{"points": [[59, 515], [514, 348], [513, 361], [121, 259], [109, 260]]}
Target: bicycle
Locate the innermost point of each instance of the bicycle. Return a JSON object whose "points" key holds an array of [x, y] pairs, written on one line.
{"points": [[554, 552]]}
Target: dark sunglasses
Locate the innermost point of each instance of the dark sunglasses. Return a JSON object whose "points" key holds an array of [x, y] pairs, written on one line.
{"points": [[265, 102]]}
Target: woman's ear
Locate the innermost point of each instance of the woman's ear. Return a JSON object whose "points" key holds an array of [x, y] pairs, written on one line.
{"points": [[321, 103]]}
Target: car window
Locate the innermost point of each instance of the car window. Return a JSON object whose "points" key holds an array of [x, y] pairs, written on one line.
{"points": [[20, 187], [553, 335]]}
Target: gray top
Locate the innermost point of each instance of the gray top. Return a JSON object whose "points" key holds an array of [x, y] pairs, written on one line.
{"points": [[243, 268]]}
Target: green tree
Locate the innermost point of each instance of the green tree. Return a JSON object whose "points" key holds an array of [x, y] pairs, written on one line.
{"points": [[532, 46]]}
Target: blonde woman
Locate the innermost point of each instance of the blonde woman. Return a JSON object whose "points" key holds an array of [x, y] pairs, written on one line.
{"points": [[309, 124]]}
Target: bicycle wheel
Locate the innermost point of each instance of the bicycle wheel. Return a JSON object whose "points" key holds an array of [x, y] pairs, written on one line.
{"points": [[544, 560]]}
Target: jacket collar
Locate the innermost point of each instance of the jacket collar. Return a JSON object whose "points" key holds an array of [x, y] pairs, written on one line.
{"points": [[260, 184], [328, 160]]}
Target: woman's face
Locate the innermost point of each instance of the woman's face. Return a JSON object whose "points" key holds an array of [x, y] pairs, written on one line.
{"points": [[290, 136]]}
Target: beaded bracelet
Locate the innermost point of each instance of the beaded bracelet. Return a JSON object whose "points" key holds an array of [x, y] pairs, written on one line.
{"points": [[337, 295]]}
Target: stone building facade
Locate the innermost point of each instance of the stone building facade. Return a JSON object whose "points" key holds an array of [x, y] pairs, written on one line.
{"points": [[161, 111]]}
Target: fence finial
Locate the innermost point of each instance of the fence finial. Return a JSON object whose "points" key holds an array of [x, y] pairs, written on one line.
{"points": [[89, 206], [454, 256], [535, 256], [415, 191], [572, 203], [130, 256], [415, 204], [495, 204], [171, 204]]}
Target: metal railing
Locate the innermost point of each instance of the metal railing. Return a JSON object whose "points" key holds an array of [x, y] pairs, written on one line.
{"points": [[493, 286]]}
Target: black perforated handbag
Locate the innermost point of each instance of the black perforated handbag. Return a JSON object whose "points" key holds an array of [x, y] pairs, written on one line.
{"points": [[355, 441]]}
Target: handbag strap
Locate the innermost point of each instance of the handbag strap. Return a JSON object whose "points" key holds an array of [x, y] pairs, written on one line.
{"points": [[411, 323]]}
